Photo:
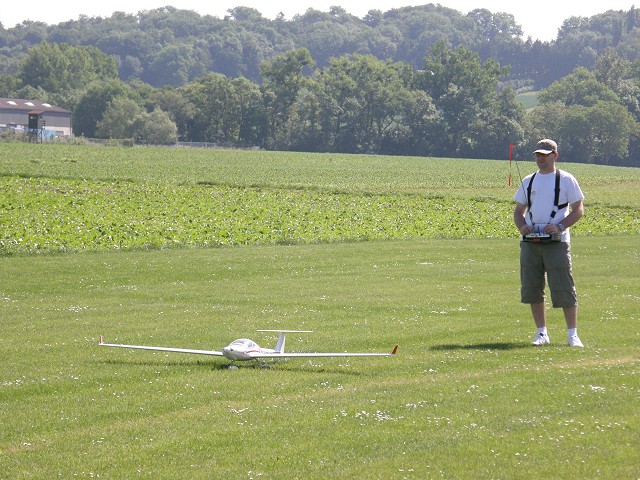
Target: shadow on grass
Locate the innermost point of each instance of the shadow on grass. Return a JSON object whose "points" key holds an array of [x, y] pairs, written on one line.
{"points": [[221, 365], [481, 346], [159, 362]]}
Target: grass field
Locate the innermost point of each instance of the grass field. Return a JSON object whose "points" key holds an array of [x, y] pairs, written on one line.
{"points": [[528, 100], [59, 198], [466, 396]]}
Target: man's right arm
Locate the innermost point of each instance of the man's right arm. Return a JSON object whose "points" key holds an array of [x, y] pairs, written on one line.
{"points": [[519, 219]]}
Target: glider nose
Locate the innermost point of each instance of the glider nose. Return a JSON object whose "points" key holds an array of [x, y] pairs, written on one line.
{"points": [[230, 353]]}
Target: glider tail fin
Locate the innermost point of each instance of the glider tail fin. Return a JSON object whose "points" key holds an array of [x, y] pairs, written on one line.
{"points": [[280, 343]]}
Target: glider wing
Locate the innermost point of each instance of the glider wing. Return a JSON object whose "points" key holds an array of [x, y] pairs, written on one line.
{"points": [[321, 354], [162, 349]]}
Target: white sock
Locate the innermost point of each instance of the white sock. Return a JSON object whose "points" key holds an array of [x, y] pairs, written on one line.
{"points": [[573, 332], [542, 331]]}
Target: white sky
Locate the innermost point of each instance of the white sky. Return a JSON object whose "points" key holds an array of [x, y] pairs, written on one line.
{"points": [[539, 19]]}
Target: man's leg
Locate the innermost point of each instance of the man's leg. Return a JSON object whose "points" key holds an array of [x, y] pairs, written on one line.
{"points": [[538, 312], [571, 316], [532, 277], [563, 291]]}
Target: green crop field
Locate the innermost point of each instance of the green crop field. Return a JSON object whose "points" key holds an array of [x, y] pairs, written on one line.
{"points": [[65, 199], [195, 248]]}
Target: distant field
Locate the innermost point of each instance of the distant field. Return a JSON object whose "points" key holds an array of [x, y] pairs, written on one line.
{"points": [[66, 199], [366, 251], [326, 172], [528, 100]]}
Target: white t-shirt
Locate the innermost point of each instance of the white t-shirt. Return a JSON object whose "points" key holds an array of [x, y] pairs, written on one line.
{"points": [[542, 195]]}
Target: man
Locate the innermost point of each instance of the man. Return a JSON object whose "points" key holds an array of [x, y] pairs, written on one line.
{"points": [[548, 203]]}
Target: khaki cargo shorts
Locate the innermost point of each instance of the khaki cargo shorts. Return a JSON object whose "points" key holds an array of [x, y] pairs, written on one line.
{"points": [[554, 260]]}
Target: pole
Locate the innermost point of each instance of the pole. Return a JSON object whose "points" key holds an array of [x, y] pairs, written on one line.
{"points": [[510, 160]]}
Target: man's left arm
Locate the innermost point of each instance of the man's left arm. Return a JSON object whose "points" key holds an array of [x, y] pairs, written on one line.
{"points": [[576, 211]]}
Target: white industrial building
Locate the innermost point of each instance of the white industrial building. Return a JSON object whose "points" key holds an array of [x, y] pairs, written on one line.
{"points": [[35, 118]]}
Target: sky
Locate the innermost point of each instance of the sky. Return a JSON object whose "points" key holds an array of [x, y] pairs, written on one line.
{"points": [[539, 19]]}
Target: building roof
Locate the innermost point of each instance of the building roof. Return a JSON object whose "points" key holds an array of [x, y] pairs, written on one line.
{"points": [[22, 104]]}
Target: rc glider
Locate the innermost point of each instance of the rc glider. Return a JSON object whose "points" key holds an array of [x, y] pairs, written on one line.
{"points": [[245, 349]]}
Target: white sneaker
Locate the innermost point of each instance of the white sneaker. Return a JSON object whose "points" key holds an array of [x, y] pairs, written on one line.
{"points": [[575, 342], [541, 339]]}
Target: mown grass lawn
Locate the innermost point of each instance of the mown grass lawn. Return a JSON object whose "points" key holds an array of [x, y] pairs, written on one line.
{"points": [[466, 397]]}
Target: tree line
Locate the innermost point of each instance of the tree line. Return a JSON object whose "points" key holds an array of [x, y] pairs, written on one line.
{"points": [[170, 46], [455, 103]]}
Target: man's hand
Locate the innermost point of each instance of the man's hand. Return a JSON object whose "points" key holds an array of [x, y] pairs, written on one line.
{"points": [[526, 230], [552, 229]]}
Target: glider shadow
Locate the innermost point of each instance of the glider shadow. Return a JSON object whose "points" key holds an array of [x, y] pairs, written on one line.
{"points": [[222, 365]]}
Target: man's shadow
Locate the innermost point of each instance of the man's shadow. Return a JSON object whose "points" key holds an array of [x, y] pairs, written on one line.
{"points": [[480, 346]]}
